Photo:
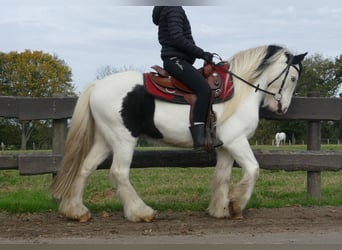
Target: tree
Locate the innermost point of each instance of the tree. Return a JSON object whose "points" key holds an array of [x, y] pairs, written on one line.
{"points": [[325, 76], [338, 66], [34, 74], [9, 132], [320, 74], [107, 70]]}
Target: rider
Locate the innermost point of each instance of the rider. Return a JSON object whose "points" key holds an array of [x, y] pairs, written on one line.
{"points": [[178, 53]]}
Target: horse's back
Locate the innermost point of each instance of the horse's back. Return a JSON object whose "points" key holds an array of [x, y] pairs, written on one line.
{"points": [[118, 82], [108, 94], [115, 87]]}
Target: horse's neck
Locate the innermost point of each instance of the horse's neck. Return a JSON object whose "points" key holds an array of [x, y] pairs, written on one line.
{"points": [[242, 92]]}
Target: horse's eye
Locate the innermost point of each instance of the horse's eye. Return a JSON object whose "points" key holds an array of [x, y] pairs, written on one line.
{"points": [[293, 78]]}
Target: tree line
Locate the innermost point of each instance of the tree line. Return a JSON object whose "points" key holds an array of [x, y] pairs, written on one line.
{"points": [[39, 74]]}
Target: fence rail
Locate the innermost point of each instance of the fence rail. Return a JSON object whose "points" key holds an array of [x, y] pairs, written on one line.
{"points": [[59, 109], [34, 164], [30, 108]]}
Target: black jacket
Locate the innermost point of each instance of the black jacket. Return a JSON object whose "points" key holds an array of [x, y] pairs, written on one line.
{"points": [[174, 33]]}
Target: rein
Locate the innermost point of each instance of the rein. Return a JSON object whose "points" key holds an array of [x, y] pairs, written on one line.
{"points": [[257, 88]]}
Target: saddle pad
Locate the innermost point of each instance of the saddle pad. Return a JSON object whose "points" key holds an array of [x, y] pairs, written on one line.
{"points": [[176, 96]]}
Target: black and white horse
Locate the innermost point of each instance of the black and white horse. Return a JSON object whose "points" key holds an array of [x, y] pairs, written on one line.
{"points": [[109, 116]]}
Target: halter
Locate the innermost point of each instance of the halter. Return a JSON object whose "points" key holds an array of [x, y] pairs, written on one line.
{"points": [[277, 96]]}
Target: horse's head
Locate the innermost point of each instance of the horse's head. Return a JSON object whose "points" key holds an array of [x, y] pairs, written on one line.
{"points": [[282, 76]]}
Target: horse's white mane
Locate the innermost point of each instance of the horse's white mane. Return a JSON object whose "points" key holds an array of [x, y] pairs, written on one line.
{"points": [[250, 63]]}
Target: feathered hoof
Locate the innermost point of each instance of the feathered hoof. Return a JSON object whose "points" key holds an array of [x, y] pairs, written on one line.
{"points": [[235, 211], [220, 213], [148, 219], [76, 212], [85, 217], [237, 217], [145, 215]]}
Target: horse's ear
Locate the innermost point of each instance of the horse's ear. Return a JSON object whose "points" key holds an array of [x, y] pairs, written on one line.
{"points": [[298, 58]]}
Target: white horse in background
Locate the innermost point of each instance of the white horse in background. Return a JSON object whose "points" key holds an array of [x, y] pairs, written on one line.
{"points": [[112, 113], [280, 138]]}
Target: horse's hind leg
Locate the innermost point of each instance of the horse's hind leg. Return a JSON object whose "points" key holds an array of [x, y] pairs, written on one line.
{"points": [[72, 205], [220, 184], [241, 193], [134, 208]]}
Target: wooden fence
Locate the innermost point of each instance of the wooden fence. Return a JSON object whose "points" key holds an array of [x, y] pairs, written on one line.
{"points": [[59, 109]]}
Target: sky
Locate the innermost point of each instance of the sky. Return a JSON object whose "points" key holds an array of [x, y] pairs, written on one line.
{"points": [[89, 34]]}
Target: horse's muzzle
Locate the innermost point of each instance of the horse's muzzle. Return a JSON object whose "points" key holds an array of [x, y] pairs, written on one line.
{"points": [[281, 108]]}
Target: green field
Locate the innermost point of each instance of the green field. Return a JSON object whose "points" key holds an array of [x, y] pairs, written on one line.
{"points": [[171, 189], [335, 147]]}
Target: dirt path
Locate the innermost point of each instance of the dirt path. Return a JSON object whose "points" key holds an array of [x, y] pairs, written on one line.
{"points": [[285, 225]]}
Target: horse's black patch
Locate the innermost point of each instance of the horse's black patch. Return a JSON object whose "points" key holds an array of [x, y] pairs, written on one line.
{"points": [[138, 111], [271, 50]]}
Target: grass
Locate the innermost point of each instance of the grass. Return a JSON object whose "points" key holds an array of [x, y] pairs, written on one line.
{"points": [[26, 152], [176, 189], [335, 147], [24, 193]]}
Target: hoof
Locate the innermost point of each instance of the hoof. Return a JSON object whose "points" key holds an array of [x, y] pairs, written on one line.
{"points": [[219, 214], [80, 218], [148, 219], [237, 217], [235, 211], [145, 214], [84, 218]]}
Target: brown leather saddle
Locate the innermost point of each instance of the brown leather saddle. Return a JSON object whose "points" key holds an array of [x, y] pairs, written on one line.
{"points": [[163, 86], [165, 82]]}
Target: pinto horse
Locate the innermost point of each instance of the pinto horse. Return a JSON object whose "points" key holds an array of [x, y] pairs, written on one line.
{"points": [[112, 113]]}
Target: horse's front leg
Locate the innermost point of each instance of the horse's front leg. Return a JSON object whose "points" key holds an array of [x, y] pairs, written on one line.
{"points": [[220, 184], [241, 193], [134, 208]]}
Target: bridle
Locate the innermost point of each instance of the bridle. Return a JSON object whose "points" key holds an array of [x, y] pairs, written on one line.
{"points": [[277, 96]]}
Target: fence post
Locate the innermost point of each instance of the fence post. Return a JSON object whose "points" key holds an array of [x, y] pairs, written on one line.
{"points": [[59, 127], [59, 133], [314, 143]]}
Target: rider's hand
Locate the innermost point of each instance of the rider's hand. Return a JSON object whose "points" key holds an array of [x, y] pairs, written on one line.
{"points": [[208, 57]]}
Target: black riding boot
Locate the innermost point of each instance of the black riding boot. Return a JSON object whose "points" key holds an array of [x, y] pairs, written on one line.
{"points": [[198, 136], [200, 140]]}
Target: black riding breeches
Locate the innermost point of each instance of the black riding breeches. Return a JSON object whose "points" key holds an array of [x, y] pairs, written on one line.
{"points": [[193, 79]]}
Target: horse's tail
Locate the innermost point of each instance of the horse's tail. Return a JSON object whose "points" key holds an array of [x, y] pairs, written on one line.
{"points": [[78, 143]]}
